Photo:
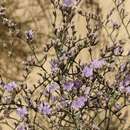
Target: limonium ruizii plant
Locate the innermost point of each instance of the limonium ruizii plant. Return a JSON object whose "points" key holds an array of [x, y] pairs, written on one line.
{"points": [[69, 3], [70, 93]]}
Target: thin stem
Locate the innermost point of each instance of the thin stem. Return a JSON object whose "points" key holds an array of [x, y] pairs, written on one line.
{"points": [[122, 20]]}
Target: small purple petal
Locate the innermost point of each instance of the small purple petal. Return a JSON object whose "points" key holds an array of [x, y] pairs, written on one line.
{"points": [[21, 127], [118, 50], [128, 90], [96, 64], [52, 87], [127, 80], [68, 85], [29, 35], [10, 86], [87, 71], [54, 66], [45, 109], [122, 67], [68, 3], [77, 83], [53, 98], [78, 103], [22, 111], [117, 107], [121, 87]]}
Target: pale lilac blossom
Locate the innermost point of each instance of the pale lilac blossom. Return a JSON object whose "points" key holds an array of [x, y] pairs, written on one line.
{"points": [[45, 108], [78, 102], [53, 98], [68, 3], [127, 80], [22, 111], [21, 127], [117, 106], [121, 87], [10, 86], [29, 34], [77, 83], [68, 85], [87, 71], [118, 50], [97, 64], [54, 66], [52, 87], [128, 90], [122, 67]]}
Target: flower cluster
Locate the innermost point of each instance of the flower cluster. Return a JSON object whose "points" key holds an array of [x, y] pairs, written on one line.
{"points": [[71, 94], [10, 86], [95, 64], [69, 3]]}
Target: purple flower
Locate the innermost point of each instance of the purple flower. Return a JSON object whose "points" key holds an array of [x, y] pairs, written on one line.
{"points": [[78, 103], [68, 85], [45, 109], [21, 127], [122, 88], [87, 71], [10, 86], [40, 107], [52, 87], [117, 107], [122, 67], [127, 80], [68, 3], [124, 84], [22, 111], [77, 83], [53, 98], [96, 64], [118, 50], [54, 66], [29, 35], [128, 90]]}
